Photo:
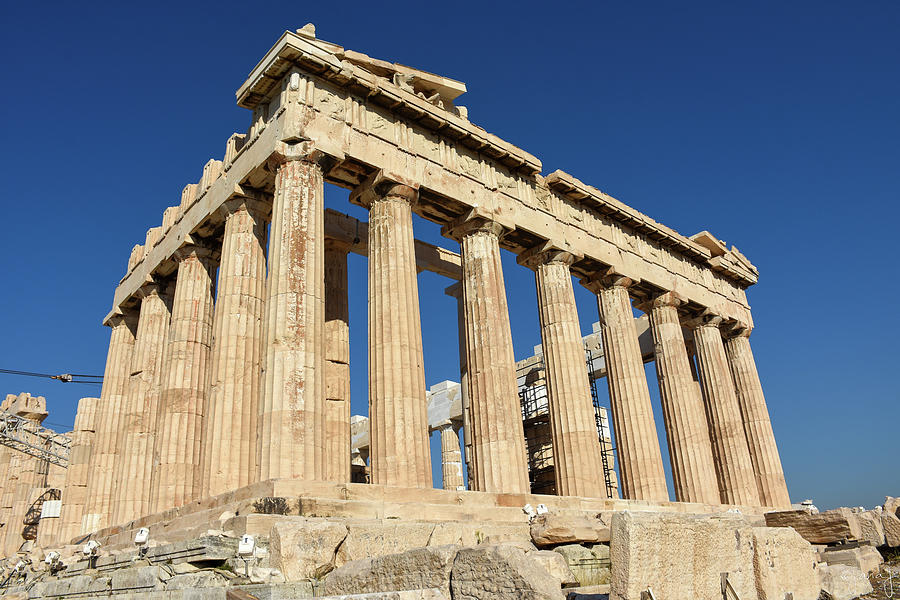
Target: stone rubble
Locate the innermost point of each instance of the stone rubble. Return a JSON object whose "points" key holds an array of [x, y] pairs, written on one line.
{"points": [[552, 529], [842, 582], [827, 527], [865, 558]]}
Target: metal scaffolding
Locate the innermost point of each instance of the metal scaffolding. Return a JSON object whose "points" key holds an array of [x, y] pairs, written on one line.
{"points": [[535, 415], [33, 439]]}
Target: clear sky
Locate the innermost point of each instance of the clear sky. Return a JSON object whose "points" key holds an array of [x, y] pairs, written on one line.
{"points": [[774, 125]]}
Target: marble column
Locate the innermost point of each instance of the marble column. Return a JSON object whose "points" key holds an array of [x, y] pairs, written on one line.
{"points": [[576, 445], [451, 457], [641, 474], [398, 418], [104, 458], [133, 458], [757, 426], [497, 433], [687, 432], [455, 291], [228, 447], [184, 381], [291, 442], [337, 362], [74, 493], [734, 468], [12, 529], [25, 475], [5, 476]]}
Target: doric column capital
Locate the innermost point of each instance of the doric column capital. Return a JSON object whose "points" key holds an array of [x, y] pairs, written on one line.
{"points": [[445, 424], [547, 253], [152, 287], [193, 249], [607, 280], [304, 151], [732, 328], [705, 319], [662, 300], [381, 185], [471, 223], [255, 206], [116, 320]]}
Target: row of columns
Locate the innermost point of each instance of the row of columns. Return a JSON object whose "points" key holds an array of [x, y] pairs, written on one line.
{"points": [[211, 389], [208, 390]]}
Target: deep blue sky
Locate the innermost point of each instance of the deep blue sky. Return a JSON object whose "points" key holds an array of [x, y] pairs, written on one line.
{"points": [[775, 127]]}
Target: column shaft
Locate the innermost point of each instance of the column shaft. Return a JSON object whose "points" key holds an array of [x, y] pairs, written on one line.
{"points": [[74, 493], [398, 419], [292, 415], [134, 454], [228, 448], [5, 477], [337, 363], [104, 458], [734, 469], [451, 457], [757, 426], [493, 394], [185, 378], [687, 431], [640, 461], [455, 291], [576, 446]]}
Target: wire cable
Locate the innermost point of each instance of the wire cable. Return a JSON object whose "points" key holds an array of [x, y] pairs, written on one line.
{"points": [[64, 377]]}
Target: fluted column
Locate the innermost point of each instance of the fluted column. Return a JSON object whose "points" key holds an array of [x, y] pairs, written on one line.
{"points": [[337, 362], [455, 291], [133, 458], [5, 476], [74, 493], [734, 469], [497, 432], [228, 447], [12, 528], [757, 426], [641, 474], [687, 432], [451, 457], [576, 444], [104, 458], [398, 419], [292, 413], [185, 377]]}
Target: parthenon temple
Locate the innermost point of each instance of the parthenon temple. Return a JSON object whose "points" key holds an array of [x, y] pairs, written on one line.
{"points": [[228, 370]]}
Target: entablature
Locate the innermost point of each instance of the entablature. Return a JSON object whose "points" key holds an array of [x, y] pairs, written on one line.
{"points": [[306, 99]]}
